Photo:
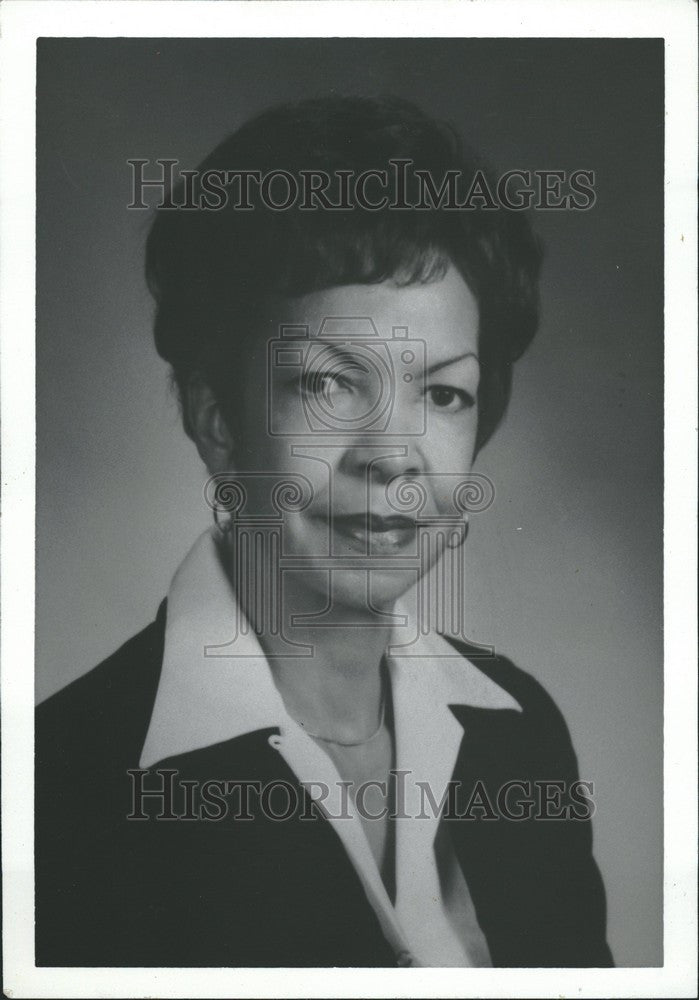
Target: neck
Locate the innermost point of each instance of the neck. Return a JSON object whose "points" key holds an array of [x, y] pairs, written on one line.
{"points": [[336, 691]]}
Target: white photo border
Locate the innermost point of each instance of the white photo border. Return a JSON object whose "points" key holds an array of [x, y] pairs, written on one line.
{"points": [[25, 20]]}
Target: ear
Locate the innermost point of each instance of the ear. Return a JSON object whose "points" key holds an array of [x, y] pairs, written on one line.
{"points": [[207, 427]]}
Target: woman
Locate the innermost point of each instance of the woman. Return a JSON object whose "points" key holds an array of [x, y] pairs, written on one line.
{"points": [[297, 764]]}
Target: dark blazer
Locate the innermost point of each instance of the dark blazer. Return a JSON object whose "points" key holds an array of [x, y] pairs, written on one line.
{"points": [[254, 892]]}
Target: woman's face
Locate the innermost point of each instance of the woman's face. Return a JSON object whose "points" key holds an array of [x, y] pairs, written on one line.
{"points": [[362, 390]]}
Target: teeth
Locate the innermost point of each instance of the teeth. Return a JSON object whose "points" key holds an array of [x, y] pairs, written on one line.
{"points": [[374, 532], [377, 540]]}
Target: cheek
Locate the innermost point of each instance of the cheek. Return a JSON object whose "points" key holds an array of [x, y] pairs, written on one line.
{"points": [[450, 462], [451, 445]]}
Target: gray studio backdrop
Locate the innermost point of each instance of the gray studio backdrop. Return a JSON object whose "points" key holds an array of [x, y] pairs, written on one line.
{"points": [[566, 568]]}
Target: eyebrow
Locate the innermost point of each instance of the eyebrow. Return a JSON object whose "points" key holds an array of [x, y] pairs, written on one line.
{"points": [[450, 361], [341, 351]]}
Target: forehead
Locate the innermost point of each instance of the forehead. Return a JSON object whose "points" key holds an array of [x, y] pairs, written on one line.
{"points": [[444, 313]]}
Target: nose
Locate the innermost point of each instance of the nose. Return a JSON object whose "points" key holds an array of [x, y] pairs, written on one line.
{"points": [[381, 460]]}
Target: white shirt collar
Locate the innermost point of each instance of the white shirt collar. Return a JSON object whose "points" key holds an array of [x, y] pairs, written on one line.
{"points": [[216, 685]]}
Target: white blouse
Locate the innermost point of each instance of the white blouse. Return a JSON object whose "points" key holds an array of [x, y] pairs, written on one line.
{"points": [[213, 688]]}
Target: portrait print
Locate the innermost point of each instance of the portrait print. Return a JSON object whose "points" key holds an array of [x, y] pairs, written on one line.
{"points": [[349, 505]]}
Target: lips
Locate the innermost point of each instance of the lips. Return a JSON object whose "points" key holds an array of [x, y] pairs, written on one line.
{"points": [[375, 532]]}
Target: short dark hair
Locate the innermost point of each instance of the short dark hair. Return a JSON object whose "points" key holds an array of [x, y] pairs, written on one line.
{"points": [[212, 271]]}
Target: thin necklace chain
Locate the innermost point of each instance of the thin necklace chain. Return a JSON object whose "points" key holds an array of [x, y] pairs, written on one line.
{"points": [[355, 743]]}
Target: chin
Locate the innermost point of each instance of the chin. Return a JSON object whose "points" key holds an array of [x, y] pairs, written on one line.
{"points": [[364, 591]]}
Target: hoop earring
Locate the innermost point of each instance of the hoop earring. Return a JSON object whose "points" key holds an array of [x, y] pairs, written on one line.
{"points": [[457, 538], [223, 526]]}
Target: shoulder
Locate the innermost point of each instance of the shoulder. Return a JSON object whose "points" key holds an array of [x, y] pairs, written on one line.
{"points": [[538, 726], [108, 709], [523, 687]]}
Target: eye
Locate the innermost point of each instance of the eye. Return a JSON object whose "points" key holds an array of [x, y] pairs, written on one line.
{"points": [[320, 382], [449, 399], [339, 376], [324, 384]]}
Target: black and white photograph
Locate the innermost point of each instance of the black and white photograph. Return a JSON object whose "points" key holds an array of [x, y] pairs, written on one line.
{"points": [[357, 380]]}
